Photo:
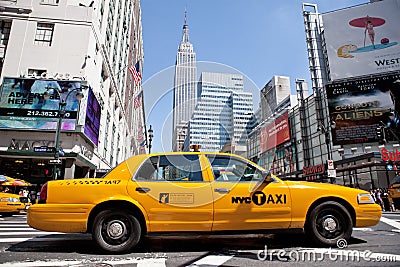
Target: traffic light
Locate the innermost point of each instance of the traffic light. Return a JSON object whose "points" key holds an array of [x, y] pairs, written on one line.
{"points": [[380, 133]]}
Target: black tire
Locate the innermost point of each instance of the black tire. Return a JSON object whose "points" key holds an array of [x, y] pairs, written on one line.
{"points": [[116, 231], [328, 223]]}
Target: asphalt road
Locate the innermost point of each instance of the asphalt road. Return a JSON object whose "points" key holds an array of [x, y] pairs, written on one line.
{"points": [[21, 245]]}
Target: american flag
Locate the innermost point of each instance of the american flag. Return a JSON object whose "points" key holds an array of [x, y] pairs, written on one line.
{"points": [[135, 71], [138, 100]]}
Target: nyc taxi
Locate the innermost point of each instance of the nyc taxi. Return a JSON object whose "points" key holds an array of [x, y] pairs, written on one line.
{"points": [[197, 192], [12, 204]]}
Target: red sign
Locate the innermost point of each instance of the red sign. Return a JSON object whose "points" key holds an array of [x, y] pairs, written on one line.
{"points": [[317, 169], [275, 133], [390, 156]]}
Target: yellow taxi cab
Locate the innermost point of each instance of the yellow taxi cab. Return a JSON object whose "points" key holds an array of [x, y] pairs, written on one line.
{"points": [[394, 192], [197, 192], [12, 204]]}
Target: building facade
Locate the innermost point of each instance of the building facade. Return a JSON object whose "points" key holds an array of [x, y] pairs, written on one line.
{"points": [[223, 114], [59, 47], [347, 131], [185, 89]]}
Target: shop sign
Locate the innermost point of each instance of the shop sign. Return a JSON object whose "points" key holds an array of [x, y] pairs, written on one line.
{"points": [[390, 155], [317, 169]]}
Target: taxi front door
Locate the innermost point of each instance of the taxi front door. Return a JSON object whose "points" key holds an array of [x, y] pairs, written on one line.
{"points": [[238, 207], [174, 192]]}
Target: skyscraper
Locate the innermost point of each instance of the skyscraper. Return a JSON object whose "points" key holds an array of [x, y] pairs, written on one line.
{"points": [[185, 88], [223, 114]]}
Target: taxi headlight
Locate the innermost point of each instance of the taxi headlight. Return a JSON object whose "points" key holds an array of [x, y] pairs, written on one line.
{"points": [[365, 199]]}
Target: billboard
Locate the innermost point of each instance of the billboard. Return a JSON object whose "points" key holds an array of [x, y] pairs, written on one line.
{"points": [[363, 40], [359, 106], [275, 133], [92, 120], [22, 105]]}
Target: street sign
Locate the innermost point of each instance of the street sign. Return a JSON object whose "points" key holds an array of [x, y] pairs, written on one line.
{"points": [[332, 173], [46, 149], [331, 166], [55, 161]]}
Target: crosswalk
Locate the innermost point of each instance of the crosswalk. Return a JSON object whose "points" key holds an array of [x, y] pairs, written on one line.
{"points": [[16, 229]]}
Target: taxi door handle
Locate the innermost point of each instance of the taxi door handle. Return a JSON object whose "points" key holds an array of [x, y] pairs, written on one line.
{"points": [[222, 190], [142, 189]]}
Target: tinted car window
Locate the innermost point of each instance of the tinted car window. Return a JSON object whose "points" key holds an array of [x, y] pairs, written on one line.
{"points": [[171, 168]]}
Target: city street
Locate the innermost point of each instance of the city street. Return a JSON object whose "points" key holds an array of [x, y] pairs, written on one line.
{"points": [[21, 245]]}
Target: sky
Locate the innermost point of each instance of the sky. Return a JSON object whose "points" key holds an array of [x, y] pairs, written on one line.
{"points": [[257, 38]]}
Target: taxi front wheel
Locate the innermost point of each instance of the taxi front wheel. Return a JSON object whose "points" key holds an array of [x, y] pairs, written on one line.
{"points": [[116, 231], [328, 223]]}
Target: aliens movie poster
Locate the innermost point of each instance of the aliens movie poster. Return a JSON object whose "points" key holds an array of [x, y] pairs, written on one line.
{"points": [[357, 107]]}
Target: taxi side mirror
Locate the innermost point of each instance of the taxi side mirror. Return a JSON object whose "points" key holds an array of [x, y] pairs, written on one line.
{"points": [[217, 174], [268, 178]]}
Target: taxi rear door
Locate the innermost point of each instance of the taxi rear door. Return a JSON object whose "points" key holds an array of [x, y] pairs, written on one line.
{"points": [[174, 192], [237, 206]]}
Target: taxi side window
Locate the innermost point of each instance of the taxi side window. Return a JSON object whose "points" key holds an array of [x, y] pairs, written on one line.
{"points": [[171, 168], [230, 169]]}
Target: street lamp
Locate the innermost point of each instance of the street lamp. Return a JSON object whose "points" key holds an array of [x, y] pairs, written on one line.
{"points": [[150, 132], [60, 115]]}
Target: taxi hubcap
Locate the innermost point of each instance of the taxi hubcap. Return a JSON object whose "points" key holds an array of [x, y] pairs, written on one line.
{"points": [[115, 229], [329, 224]]}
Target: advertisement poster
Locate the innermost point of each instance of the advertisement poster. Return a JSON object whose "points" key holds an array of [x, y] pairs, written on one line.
{"points": [[22, 105], [92, 121], [359, 106], [275, 133], [363, 40]]}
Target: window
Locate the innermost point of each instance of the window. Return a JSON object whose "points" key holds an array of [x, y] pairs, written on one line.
{"points": [[44, 34], [233, 170], [171, 168], [5, 27]]}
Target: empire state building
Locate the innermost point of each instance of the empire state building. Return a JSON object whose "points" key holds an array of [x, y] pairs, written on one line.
{"points": [[185, 89]]}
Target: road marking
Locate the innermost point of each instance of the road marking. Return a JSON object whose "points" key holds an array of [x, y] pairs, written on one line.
{"points": [[16, 229], [13, 225], [363, 229], [391, 222], [212, 260], [64, 237], [31, 233], [160, 262]]}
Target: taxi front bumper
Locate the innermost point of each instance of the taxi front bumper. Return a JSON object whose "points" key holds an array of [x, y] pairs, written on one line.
{"points": [[66, 218], [368, 215]]}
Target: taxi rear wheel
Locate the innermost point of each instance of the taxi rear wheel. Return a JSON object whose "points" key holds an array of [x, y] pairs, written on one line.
{"points": [[329, 223], [116, 231]]}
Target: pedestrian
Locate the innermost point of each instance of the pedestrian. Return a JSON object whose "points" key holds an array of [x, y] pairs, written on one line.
{"points": [[32, 195], [385, 201], [372, 192], [378, 197]]}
